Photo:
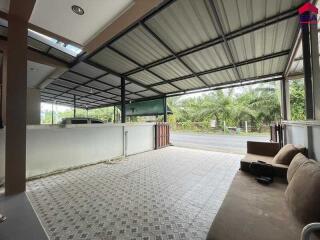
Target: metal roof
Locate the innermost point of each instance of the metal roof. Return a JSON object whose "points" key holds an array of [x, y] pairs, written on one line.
{"points": [[185, 45]]}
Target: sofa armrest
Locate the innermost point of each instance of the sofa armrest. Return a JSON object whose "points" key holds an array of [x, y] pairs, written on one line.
{"points": [[263, 148]]}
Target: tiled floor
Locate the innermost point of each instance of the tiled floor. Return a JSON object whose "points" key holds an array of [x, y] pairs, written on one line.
{"points": [[172, 193]]}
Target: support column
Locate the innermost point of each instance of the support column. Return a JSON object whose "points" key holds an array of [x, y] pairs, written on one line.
{"points": [[52, 113], [15, 61], [165, 112], [114, 114], [305, 34], [123, 100], [315, 69], [285, 99], [1, 98], [74, 106]]}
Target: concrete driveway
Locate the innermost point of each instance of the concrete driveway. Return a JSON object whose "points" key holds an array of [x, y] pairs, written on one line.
{"points": [[220, 143]]}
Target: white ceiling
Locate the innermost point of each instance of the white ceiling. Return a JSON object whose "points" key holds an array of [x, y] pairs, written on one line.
{"points": [[56, 16], [37, 73]]}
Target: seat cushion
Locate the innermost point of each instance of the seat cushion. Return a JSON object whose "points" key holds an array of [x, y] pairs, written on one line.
{"points": [[296, 162], [280, 169], [252, 211], [303, 195], [286, 154]]}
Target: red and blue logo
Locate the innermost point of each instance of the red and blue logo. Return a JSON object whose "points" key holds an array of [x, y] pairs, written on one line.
{"points": [[308, 14]]}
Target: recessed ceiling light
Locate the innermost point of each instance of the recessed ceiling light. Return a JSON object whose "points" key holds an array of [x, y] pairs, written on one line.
{"points": [[77, 10]]}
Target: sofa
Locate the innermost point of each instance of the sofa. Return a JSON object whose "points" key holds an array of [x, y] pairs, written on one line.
{"points": [[266, 152], [251, 211]]}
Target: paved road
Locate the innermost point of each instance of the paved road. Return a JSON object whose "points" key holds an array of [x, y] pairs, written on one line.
{"points": [[223, 143]]}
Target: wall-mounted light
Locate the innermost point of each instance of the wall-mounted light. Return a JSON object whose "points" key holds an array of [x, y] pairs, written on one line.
{"points": [[77, 9]]}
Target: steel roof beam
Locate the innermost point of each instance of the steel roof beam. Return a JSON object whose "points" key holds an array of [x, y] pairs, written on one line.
{"points": [[229, 36], [120, 75], [239, 64], [219, 27], [135, 62], [172, 52]]}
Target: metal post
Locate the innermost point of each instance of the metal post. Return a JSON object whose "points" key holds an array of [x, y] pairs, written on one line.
{"points": [[52, 113], [307, 71], [315, 69], [285, 104], [114, 114], [165, 112], [74, 106], [123, 100]]}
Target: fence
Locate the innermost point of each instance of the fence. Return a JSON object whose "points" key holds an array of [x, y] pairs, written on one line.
{"points": [[220, 127], [162, 135]]}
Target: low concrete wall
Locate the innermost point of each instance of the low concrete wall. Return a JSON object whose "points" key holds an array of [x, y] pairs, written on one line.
{"points": [[53, 148], [306, 133]]}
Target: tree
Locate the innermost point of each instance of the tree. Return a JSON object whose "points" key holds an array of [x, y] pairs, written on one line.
{"points": [[297, 102]]}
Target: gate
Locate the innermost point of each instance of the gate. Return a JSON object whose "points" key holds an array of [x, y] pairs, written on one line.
{"points": [[162, 135]]}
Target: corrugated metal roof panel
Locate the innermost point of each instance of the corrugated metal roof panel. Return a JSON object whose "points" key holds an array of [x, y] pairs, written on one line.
{"points": [[87, 70], [133, 96], [134, 87], [61, 55], [74, 77], [111, 79], [57, 88], [171, 69], [208, 58], [98, 85], [65, 83], [189, 83], [165, 88], [110, 59], [274, 38], [270, 66], [219, 77], [141, 46], [296, 67], [86, 89], [148, 93], [247, 12], [145, 77], [183, 24]]}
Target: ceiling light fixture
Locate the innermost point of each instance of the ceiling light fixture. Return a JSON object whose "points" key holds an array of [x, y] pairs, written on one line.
{"points": [[77, 10]]}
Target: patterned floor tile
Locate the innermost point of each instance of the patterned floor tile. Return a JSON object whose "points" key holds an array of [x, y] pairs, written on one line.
{"points": [[171, 193]]}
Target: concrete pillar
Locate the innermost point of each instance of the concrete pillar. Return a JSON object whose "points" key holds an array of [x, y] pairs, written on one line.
{"points": [[16, 95], [33, 106]]}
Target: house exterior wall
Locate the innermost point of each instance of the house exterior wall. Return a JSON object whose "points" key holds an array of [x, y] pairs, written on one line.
{"points": [[54, 148], [33, 106]]}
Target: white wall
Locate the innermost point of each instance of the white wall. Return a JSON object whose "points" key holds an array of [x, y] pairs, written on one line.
{"points": [[139, 138], [33, 106], [52, 148], [306, 133]]}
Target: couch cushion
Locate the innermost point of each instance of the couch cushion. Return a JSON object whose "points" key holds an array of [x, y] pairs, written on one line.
{"points": [[251, 211], [303, 195], [280, 169], [296, 162], [286, 154]]}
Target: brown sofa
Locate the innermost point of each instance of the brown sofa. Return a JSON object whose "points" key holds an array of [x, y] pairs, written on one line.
{"points": [[251, 211], [263, 151]]}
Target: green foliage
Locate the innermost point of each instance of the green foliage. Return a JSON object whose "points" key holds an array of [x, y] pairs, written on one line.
{"points": [[105, 114], [259, 106], [297, 102]]}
